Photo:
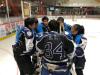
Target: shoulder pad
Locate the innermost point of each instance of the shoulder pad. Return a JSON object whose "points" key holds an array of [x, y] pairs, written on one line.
{"points": [[40, 36], [28, 33]]}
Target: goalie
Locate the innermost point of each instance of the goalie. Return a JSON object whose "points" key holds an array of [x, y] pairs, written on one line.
{"points": [[56, 49]]}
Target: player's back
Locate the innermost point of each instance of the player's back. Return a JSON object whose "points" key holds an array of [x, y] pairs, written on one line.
{"points": [[55, 47]]}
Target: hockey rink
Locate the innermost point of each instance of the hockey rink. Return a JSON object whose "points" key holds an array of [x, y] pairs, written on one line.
{"points": [[92, 52]]}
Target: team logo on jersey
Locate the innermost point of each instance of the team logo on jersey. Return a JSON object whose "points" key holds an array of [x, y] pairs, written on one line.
{"points": [[29, 33]]}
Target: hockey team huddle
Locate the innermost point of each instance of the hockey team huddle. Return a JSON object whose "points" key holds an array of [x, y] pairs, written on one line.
{"points": [[50, 47]]}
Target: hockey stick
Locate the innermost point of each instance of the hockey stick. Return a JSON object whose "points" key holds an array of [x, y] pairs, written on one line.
{"points": [[61, 29], [72, 70]]}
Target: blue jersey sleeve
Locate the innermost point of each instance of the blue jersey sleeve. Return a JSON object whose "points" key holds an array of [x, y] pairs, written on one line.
{"points": [[39, 28], [67, 27], [19, 29], [78, 39]]}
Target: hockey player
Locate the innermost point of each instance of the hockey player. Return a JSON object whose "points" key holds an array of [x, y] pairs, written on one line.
{"points": [[25, 46], [55, 50], [77, 32], [43, 27], [65, 27]]}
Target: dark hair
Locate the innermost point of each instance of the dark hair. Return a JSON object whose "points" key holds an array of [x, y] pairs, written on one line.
{"points": [[45, 18], [30, 21], [54, 25], [80, 28], [60, 19]]}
